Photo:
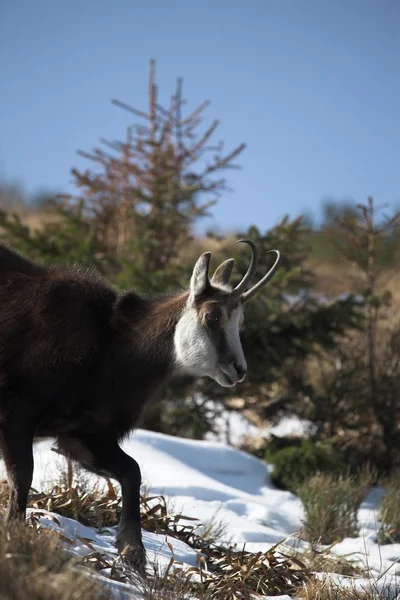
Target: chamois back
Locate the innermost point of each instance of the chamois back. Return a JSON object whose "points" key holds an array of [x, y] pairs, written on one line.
{"points": [[12, 263]]}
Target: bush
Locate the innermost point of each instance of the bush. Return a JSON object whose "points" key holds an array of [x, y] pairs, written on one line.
{"points": [[293, 464], [331, 505], [389, 514]]}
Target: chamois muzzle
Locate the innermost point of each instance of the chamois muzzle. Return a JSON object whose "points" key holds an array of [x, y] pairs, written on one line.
{"points": [[247, 279]]}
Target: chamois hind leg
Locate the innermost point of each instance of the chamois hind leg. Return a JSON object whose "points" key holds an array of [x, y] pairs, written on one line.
{"points": [[16, 443], [103, 456]]}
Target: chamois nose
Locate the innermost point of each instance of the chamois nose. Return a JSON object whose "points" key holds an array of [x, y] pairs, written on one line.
{"points": [[241, 371]]}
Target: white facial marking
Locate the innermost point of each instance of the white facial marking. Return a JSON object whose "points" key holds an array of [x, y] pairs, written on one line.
{"points": [[196, 354], [194, 350]]}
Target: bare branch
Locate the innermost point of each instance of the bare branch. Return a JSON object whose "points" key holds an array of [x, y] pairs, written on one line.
{"points": [[135, 111]]}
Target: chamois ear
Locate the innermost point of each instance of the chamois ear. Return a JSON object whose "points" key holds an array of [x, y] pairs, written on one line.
{"points": [[199, 281], [223, 273]]}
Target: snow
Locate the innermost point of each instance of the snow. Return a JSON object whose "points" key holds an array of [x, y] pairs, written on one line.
{"points": [[232, 427], [211, 481]]}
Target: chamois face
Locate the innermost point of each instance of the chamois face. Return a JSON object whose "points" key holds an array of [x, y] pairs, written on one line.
{"points": [[207, 341]]}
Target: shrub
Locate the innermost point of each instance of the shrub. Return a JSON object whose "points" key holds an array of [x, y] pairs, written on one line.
{"points": [[331, 505], [295, 463], [389, 514]]}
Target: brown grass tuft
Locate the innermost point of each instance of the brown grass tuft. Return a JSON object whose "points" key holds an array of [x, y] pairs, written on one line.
{"points": [[222, 573], [331, 504], [389, 514], [323, 561], [326, 589], [34, 565]]}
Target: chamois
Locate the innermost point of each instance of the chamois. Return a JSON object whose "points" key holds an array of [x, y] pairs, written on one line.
{"points": [[79, 361]]}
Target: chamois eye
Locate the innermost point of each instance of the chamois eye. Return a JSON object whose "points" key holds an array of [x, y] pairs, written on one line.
{"points": [[212, 317]]}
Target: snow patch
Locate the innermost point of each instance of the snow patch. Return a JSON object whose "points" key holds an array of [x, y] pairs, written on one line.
{"points": [[209, 480]]}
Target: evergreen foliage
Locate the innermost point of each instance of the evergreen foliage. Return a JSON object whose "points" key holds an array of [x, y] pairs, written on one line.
{"points": [[300, 459]]}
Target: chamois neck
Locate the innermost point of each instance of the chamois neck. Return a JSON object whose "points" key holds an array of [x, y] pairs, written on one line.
{"points": [[163, 316], [148, 326]]}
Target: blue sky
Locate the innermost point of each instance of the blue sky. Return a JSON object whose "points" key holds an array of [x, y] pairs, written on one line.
{"points": [[311, 86]]}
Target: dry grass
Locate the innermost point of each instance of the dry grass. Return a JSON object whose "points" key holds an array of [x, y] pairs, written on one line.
{"points": [[222, 573], [36, 220], [331, 504], [238, 574], [389, 514], [332, 279], [326, 589], [170, 587], [323, 561], [34, 565]]}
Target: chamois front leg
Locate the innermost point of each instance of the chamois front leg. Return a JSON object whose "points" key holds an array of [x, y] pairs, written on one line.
{"points": [[16, 443], [104, 457]]}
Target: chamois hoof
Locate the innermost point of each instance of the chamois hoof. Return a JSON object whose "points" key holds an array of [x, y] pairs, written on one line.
{"points": [[134, 556]]}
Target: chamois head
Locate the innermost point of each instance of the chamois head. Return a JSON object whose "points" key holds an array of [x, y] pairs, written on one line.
{"points": [[207, 340]]}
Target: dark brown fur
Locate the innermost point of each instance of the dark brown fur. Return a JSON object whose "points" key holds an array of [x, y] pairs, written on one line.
{"points": [[78, 362]]}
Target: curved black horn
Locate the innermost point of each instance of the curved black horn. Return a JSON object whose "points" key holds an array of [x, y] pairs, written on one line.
{"points": [[251, 271], [252, 291]]}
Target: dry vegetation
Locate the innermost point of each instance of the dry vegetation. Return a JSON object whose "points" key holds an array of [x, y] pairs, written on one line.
{"points": [[338, 498], [223, 573], [35, 565], [326, 589], [389, 516]]}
